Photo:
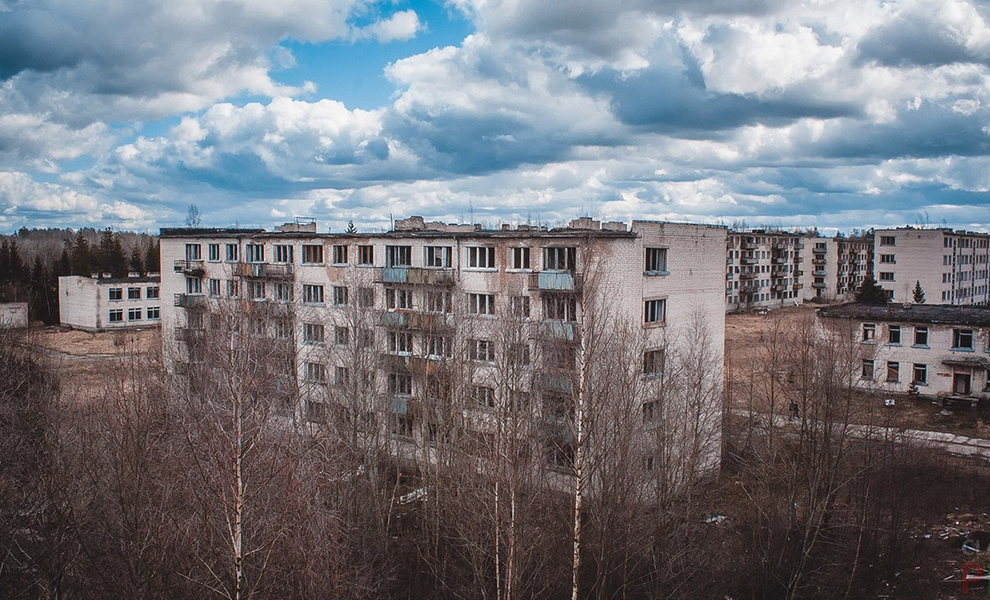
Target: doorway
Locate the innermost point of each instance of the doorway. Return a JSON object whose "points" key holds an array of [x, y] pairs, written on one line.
{"points": [[961, 384]]}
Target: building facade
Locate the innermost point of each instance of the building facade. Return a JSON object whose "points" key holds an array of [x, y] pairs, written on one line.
{"points": [[13, 315], [107, 303], [513, 310], [938, 351], [764, 269], [950, 266]]}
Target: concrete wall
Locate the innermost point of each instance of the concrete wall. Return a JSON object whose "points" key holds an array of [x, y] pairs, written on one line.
{"points": [[85, 303], [14, 314]]}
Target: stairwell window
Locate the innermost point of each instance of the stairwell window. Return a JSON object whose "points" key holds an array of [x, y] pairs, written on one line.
{"points": [[656, 261], [655, 312], [653, 361]]}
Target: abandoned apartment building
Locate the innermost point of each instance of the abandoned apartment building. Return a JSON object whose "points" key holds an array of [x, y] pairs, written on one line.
{"points": [[425, 292], [936, 351], [104, 303]]}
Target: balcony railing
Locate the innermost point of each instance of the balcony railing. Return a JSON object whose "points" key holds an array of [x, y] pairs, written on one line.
{"points": [[820, 286], [555, 281], [559, 330], [189, 334], [263, 271], [190, 300], [417, 276], [190, 267]]}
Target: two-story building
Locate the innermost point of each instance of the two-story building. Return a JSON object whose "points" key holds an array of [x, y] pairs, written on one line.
{"points": [[105, 303]]}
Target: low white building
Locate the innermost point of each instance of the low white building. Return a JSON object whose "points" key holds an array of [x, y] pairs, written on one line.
{"points": [[939, 351], [13, 314], [105, 303]]}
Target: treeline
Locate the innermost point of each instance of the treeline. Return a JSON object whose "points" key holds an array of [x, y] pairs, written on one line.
{"points": [[30, 265]]}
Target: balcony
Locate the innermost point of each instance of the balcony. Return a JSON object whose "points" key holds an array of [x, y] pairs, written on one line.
{"points": [[189, 334], [819, 273], [818, 250], [819, 286], [818, 261], [555, 281], [417, 276], [263, 271], [797, 286], [749, 245], [748, 275], [559, 330], [190, 300], [750, 261], [195, 268], [779, 287], [799, 246], [428, 321], [395, 319], [779, 259]]}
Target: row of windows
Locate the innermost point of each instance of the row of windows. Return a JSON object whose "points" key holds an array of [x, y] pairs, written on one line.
{"points": [[133, 293], [962, 339], [134, 314], [478, 257], [919, 372]]}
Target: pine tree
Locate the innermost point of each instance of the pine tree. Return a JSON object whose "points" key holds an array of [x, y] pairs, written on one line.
{"points": [[39, 292], [919, 294], [81, 260], [351, 229], [871, 293], [4, 262], [64, 266], [118, 258], [152, 262], [18, 270], [137, 261]]}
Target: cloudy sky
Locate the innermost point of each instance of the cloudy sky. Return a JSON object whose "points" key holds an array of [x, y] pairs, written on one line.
{"points": [[828, 113]]}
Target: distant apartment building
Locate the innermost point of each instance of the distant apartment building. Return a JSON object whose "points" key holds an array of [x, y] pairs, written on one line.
{"points": [[950, 266], [820, 269], [107, 303], [764, 269], [425, 294], [939, 351], [854, 256]]}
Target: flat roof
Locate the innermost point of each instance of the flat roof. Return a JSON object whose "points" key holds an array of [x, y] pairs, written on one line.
{"points": [[560, 233], [945, 314], [114, 280]]}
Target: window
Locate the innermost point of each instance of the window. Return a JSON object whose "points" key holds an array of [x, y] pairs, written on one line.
{"points": [[232, 253], [887, 259], [867, 372], [339, 296], [116, 294], [484, 396], [438, 302], [214, 252], [312, 333], [656, 260], [438, 346], [962, 339], [255, 253], [437, 256], [402, 425], [134, 314], [366, 255], [316, 373], [194, 285], [520, 258], [214, 287], [869, 332], [519, 306], [560, 455], [151, 293], [651, 410], [655, 312], [233, 288], [283, 292], [154, 312], [366, 338], [481, 350], [920, 374], [481, 304], [340, 255], [366, 297], [133, 293], [400, 383], [194, 252], [256, 290], [921, 336], [559, 307], [887, 240], [482, 257], [559, 259], [117, 315], [398, 256], [312, 294], [519, 355], [894, 335], [400, 342], [283, 253], [886, 276], [653, 362], [398, 299], [342, 336], [312, 254], [341, 376], [893, 371]]}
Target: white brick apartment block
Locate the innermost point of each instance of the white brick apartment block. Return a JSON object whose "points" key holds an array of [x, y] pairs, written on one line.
{"points": [[416, 295], [102, 304], [951, 266], [940, 351]]}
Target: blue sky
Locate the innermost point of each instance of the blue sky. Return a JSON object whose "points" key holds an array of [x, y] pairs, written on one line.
{"points": [[835, 114]]}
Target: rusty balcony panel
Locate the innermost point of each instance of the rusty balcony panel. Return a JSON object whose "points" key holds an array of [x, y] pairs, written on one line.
{"points": [[263, 271], [190, 267], [555, 281], [190, 300], [559, 330], [395, 319], [189, 334]]}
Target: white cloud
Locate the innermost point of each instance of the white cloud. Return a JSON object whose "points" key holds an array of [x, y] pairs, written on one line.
{"points": [[401, 26]]}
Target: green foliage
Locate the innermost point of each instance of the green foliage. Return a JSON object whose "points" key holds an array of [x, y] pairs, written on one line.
{"points": [[919, 294], [871, 293]]}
